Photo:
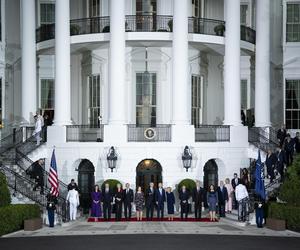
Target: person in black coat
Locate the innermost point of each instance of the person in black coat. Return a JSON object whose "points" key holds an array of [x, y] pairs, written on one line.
{"points": [[150, 201], [280, 155], [118, 196], [184, 196], [289, 146], [198, 199], [281, 135], [128, 200], [297, 142], [234, 182], [270, 163], [38, 174], [222, 198], [107, 200], [51, 207], [160, 198]]}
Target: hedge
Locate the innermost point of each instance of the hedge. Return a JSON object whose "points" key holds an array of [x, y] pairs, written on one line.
{"points": [[188, 183], [285, 212], [112, 184], [5, 198], [12, 217]]}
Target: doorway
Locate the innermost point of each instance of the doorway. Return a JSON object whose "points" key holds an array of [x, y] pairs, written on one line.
{"points": [[148, 170], [210, 174], [86, 181]]}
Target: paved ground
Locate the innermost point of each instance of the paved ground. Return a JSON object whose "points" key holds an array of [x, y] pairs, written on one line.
{"points": [[145, 242]]}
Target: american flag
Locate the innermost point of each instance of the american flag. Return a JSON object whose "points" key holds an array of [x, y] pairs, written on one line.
{"points": [[53, 178]]}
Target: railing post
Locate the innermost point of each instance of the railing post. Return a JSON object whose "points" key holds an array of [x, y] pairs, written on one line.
{"points": [[14, 135]]}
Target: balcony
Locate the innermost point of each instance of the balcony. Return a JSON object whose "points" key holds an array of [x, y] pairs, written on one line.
{"points": [[148, 133], [212, 133], [145, 23], [84, 133]]}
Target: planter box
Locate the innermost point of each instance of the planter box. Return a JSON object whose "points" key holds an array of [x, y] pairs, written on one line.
{"points": [[33, 224], [276, 224]]}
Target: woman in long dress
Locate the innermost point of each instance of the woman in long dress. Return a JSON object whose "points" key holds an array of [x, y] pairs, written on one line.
{"points": [[212, 201], [139, 201], [228, 203], [170, 203], [96, 203]]}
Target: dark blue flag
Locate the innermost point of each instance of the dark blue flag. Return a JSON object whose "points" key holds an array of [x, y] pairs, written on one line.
{"points": [[259, 181]]}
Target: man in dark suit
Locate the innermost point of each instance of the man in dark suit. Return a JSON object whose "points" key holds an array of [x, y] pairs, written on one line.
{"points": [[128, 200], [281, 134], [222, 198], [150, 201], [281, 160], [38, 174], [184, 196], [107, 199], [198, 199], [234, 182], [160, 198], [289, 146]]}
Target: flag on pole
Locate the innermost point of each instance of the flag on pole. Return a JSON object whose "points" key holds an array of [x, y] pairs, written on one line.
{"points": [[259, 181], [53, 177]]}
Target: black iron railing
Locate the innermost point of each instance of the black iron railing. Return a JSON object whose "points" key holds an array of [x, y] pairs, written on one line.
{"points": [[89, 25], [206, 26], [261, 138], [11, 140], [148, 23], [148, 133], [212, 133], [85, 133], [25, 186], [248, 34], [45, 32]]}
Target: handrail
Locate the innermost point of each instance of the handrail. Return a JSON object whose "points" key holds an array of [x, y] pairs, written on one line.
{"points": [[20, 184], [260, 138]]}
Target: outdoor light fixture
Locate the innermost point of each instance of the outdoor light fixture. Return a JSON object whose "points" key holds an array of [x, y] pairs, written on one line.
{"points": [[187, 158], [112, 158]]}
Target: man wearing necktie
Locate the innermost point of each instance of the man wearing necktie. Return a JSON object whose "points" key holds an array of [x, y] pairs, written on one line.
{"points": [[198, 199], [128, 200], [160, 198], [150, 201]]}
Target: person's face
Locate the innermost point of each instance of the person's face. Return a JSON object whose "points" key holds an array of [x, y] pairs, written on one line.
{"points": [[127, 185], [211, 188], [198, 184], [139, 189], [41, 162], [97, 188], [169, 190], [221, 183], [235, 176], [151, 184], [106, 185], [160, 185], [118, 185], [183, 188]]}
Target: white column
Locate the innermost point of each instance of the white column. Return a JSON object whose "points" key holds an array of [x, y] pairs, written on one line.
{"points": [[62, 111], [29, 89], [181, 91], [117, 88], [232, 82], [262, 64]]}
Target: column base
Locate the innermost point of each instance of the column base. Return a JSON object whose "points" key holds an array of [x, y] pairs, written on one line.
{"points": [[263, 124], [115, 133], [184, 134]]}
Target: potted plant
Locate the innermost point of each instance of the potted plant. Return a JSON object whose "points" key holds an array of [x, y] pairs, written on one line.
{"points": [[106, 29], [219, 29]]}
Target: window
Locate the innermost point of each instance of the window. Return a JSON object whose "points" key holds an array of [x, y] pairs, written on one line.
{"points": [[244, 10], [94, 99], [292, 104], [145, 7], [47, 13], [47, 94], [146, 99], [197, 8], [94, 8], [197, 99], [293, 22], [244, 94]]}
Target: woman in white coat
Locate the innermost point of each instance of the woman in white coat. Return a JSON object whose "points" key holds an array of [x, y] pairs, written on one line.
{"points": [[73, 199]]}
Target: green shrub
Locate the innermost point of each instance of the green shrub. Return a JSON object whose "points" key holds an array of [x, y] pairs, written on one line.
{"points": [[188, 183], [5, 198], [285, 212], [112, 184], [12, 217]]}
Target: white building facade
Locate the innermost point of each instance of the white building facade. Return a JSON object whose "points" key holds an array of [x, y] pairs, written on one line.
{"points": [[150, 77]]}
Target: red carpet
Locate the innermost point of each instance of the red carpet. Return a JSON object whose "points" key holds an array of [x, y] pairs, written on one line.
{"points": [[91, 219]]}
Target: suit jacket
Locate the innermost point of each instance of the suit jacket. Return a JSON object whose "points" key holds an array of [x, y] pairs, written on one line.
{"points": [[198, 196], [150, 196], [118, 196], [107, 197], [184, 196], [160, 197], [128, 197], [233, 182], [222, 195]]}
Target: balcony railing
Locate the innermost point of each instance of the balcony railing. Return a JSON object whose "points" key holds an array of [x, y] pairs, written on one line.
{"points": [[148, 133], [84, 133], [248, 34], [206, 26], [143, 23], [212, 133]]}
